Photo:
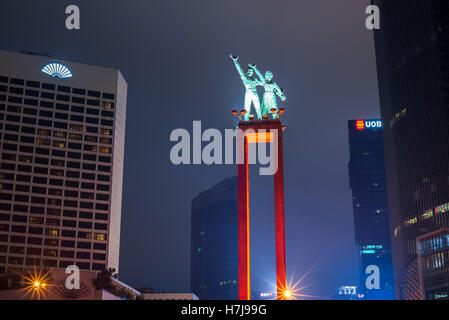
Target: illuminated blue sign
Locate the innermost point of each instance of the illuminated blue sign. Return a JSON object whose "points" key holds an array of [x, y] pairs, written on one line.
{"points": [[266, 294], [368, 124], [373, 124], [57, 70], [347, 290]]}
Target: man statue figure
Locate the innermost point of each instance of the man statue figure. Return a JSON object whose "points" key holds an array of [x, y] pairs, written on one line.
{"points": [[250, 84], [271, 90]]}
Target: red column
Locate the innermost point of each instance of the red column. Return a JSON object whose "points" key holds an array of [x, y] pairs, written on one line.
{"points": [[243, 220], [281, 279], [243, 216]]}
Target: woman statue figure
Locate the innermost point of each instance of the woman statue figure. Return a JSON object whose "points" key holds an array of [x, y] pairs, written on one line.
{"points": [[271, 90]]}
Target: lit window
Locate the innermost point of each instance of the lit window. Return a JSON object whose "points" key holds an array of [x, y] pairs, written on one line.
{"points": [[26, 159], [50, 253], [36, 220], [58, 173], [107, 132], [76, 127], [75, 136], [428, 214], [411, 221], [43, 132], [100, 236], [90, 148], [59, 134], [443, 208], [59, 144], [106, 140], [105, 150], [43, 141], [52, 232]]}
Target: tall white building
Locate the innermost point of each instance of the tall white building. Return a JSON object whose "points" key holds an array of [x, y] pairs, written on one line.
{"points": [[62, 133]]}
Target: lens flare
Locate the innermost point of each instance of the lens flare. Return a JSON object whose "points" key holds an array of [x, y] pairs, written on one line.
{"points": [[36, 284], [295, 290]]}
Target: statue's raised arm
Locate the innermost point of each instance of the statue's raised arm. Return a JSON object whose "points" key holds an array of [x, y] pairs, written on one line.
{"points": [[251, 95], [237, 65]]}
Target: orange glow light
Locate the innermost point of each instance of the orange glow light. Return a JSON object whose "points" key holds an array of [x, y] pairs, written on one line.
{"points": [[295, 290], [258, 137], [360, 125], [36, 284]]}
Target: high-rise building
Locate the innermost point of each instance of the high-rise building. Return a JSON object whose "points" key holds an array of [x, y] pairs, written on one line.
{"points": [[412, 48], [62, 131], [370, 207], [214, 244], [433, 253]]}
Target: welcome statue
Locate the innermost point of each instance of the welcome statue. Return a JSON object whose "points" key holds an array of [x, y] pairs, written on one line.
{"points": [[269, 104]]}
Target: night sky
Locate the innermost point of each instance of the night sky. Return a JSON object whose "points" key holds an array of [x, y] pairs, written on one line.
{"points": [[174, 56]]}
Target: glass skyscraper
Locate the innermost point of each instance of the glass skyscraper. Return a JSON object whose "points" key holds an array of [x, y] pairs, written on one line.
{"points": [[369, 199], [433, 254], [412, 52], [214, 242]]}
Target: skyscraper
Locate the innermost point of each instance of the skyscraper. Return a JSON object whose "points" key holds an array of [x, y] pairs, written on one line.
{"points": [[412, 48], [62, 131], [369, 200], [214, 246], [433, 252]]}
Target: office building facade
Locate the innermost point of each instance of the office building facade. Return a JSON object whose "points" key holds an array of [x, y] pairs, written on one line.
{"points": [[214, 242], [370, 207], [412, 48], [62, 130], [433, 254]]}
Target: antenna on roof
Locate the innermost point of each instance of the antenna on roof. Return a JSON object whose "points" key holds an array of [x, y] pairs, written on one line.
{"points": [[47, 54]]}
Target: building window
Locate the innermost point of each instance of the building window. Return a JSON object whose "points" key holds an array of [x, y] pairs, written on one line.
{"points": [[100, 236], [52, 232], [76, 127], [52, 243], [16, 250], [59, 144], [42, 141], [105, 150], [15, 260], [36, 220], [75, 136], [34, 251]]}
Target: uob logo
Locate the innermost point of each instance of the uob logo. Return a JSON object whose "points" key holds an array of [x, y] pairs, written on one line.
{"points": [[373, 124]]}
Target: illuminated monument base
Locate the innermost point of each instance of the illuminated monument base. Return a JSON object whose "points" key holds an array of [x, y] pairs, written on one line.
{"points": [[243, 216]]}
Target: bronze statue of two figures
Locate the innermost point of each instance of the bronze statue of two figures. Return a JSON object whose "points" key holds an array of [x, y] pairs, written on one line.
{"points": [[269, 104]]}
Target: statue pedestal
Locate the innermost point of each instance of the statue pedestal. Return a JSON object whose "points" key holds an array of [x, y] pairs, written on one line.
{"points": [[243, 207]]}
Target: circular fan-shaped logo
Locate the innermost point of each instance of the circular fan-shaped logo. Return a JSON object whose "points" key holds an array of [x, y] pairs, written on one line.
{"points": [[57, 70]]}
